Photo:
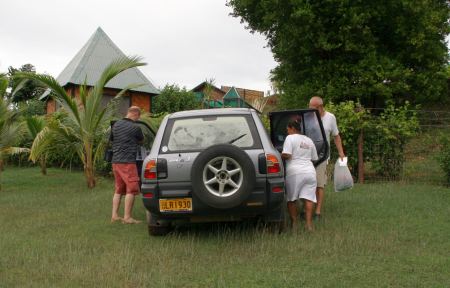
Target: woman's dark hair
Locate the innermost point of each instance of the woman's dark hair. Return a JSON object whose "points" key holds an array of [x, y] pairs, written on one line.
{"points": [[295, 123]]}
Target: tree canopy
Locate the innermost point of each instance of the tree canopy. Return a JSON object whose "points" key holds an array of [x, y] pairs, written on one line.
{"points": [[30, 90], [173, 99], [367, 51]]}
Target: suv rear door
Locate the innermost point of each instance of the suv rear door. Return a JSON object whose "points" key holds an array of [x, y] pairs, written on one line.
{"points": [[311, 125], [146, 146], [185, 138]]}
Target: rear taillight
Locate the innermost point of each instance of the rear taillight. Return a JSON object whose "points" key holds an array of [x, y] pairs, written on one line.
{"points": [[277, 189], [273, 165], [148, 195], [150, 170]]}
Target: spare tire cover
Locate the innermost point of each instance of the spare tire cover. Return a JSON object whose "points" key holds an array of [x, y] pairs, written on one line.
{"points": [[223, 176]]}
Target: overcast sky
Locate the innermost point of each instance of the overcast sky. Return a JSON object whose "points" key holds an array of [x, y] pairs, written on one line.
{"points": [[183, 42]]}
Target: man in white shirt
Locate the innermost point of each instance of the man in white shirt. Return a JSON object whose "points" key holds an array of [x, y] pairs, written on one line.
{"points": [[331, 129]]}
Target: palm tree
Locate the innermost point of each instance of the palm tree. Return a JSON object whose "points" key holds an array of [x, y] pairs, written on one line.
{"points": [[35, 125], [82, 129], [209, 88], [11, 130]]}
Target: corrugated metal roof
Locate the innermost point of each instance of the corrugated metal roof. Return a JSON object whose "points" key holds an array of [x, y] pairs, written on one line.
{"points": [[89, 63]]}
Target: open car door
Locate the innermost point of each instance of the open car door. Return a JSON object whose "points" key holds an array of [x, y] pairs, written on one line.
{"points": [[146, 146], [311, 126]]}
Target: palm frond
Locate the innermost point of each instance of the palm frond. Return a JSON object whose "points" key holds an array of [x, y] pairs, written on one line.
{"points": [[19, 86], [42, 140], [35, 124], [83, 92], [3, 85], [10, 134], [110, 109], [57, 91], [116, 67], [16, 150]]}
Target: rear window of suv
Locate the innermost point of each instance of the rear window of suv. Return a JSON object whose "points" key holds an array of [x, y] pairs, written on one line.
{"points": [[198, 133]]}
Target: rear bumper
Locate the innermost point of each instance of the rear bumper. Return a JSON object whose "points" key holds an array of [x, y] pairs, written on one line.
{"points": [[262, 201]]}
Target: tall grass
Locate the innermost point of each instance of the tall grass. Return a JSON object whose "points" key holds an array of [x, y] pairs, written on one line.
{"points": [[55, 232]]}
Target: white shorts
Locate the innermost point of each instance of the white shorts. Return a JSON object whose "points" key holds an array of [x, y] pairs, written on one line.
{"points": [[301, 186]]}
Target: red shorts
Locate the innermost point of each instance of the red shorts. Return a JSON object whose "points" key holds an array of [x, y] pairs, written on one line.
{"points": [[126, 178]]}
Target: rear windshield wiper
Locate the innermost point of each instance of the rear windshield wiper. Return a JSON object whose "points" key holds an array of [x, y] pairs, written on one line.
{"points": [[237, 138]]}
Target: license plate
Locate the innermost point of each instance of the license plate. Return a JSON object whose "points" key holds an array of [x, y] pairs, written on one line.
{"points": [[175, 205]]}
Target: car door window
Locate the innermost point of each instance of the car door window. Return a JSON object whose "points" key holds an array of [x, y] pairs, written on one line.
{"points": [[311, 126], [146, 145]]}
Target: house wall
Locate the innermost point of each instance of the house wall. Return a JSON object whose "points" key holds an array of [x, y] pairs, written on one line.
{"points": [[214, 94], [246, 94], [272, 100], [140, 99], [51, 106], [217, 95]]}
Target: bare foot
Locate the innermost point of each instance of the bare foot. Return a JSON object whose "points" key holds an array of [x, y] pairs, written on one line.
{"points": [[309, 228], [114, 219], [130, 221]]}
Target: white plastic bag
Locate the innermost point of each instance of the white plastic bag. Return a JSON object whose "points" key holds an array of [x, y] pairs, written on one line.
{"points": [[343, 180]]}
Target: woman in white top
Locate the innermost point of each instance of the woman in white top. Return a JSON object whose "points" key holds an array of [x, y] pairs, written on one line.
{"points": [[299, 151]]}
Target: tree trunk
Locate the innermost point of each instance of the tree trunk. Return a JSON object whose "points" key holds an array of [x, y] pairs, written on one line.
{"points": [[90, 178], [360, 158], [89, 167], [2, 168], [43, 165]]}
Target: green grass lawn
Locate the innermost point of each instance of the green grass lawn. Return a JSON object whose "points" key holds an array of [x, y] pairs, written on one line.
{"points": [[56, 233]]}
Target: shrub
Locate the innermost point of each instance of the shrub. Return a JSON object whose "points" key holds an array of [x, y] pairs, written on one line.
{"points": [[352, 118], [444, 157], [385, 135], [173, 99]]}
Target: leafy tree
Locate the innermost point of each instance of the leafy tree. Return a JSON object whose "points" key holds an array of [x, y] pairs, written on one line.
{"points": [[82, 128], [11, 130], [32, 107], [385, 135], [173, 99], [366, 51], [30, 90]]}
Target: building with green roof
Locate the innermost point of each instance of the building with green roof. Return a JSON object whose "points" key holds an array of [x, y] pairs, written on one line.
{"points": [[88, 65]]}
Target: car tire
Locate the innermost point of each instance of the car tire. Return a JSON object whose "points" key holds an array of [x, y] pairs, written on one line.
{"points": [[223, 176]]}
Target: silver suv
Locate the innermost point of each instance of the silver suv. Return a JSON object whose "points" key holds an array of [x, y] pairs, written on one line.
{"points": [[218, 165]]}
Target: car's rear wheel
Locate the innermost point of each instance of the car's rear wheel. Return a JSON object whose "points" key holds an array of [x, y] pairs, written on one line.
{"points": [[223, 176]]}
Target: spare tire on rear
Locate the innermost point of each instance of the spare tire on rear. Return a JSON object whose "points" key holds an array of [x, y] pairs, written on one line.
{"points": [[223, 176]]}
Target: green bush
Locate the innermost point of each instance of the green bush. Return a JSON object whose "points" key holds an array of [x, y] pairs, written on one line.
{"points": [[444, 157], [386, 138], [173, 99], [385, 135], [352, 118]]}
